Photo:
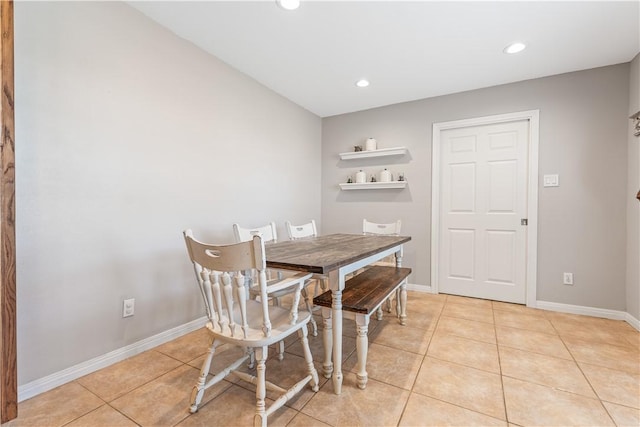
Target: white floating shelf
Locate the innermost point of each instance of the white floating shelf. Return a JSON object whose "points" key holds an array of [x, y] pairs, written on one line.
{"points": [[397, 151], [373, 185]]}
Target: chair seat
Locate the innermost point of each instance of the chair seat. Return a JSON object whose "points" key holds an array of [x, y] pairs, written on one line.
{"points": [[254, 290], [280, 323]]}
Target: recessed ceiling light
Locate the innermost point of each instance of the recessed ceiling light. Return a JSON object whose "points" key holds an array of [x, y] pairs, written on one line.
{"points": [[288, 4], [362, 83], [515, 47]]}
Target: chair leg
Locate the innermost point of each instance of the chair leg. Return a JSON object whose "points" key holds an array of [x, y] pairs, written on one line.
{"points": [[314, 325], [198, 389], [252, 358], [280, 349], [309, 359], [260, 419], [316, 288]]}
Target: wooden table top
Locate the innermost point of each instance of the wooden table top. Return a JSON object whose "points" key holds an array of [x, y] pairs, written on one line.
{"points": [[326, 253]]}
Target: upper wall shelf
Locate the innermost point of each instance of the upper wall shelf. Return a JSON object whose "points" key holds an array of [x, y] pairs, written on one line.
{"points": [[396, 151], [372, 185]]}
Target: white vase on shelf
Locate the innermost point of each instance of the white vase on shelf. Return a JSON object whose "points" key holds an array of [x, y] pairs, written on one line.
{"points": [[371, 144], [385, 175]]}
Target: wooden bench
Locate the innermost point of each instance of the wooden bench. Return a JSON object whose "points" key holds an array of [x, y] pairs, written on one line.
{"points": [[362, 296]]}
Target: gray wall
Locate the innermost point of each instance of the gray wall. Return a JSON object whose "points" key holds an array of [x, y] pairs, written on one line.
{"points": [[583, 138], [126, 135], [633, 206]]}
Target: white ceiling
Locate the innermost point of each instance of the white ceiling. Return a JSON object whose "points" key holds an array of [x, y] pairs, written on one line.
{"points": [[408, 50]]}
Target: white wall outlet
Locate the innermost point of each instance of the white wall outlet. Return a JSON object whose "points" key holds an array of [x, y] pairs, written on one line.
{"points": [[567, 278], [550, 181], [128, 307]]}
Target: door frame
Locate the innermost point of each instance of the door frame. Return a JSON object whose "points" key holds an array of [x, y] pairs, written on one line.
{"points": [[533, 116], [8, 333]]}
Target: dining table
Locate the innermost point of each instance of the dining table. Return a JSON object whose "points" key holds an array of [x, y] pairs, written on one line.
{"points": [[335, 256]]}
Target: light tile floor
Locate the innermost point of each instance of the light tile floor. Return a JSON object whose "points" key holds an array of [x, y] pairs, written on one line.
{"points": [[458, 362]]}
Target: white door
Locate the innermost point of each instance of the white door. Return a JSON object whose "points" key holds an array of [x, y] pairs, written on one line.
{"points": [[483, 210]]}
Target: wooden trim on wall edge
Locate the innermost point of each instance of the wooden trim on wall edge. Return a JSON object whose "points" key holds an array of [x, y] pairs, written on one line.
{"points": [[8, 342]]}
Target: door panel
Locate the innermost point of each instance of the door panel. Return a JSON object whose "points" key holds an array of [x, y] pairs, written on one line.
{"points": [[501, 246], [483, 198], [463, 187], [462, 260]]}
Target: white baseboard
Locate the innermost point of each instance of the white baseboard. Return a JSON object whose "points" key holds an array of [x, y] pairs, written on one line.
{"points": [[563, 308], [632, 321], [59, 378], [420, 288], [589, 311]]}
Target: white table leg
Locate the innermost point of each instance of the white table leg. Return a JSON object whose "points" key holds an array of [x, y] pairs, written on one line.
{"points": [[336, 308], [362, 348], [327, 340]]}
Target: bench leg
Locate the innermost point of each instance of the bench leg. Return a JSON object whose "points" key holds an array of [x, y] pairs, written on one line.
{"points": [[402, 303], [327, 338], [362, 348], [388, 304]]}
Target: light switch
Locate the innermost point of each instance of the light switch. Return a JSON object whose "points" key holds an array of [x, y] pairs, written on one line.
{"points": [[550, 181]]}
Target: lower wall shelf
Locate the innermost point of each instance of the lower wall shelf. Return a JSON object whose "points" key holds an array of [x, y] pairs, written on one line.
{"points": [[373, 185]]}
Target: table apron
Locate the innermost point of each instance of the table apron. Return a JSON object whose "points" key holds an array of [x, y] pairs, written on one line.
{"points": [[350, 268]]}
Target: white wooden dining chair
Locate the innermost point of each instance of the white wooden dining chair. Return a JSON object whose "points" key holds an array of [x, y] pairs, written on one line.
{"points": [[268, 232], [393, 228], [270, 235], [389, 229], [302, 231], [252, 325]]}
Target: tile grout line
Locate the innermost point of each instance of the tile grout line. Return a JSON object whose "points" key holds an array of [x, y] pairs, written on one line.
{"points": [[424, 357], [455, 363], [106, 403], [580, 369], [93, 410], [504, 395]]}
